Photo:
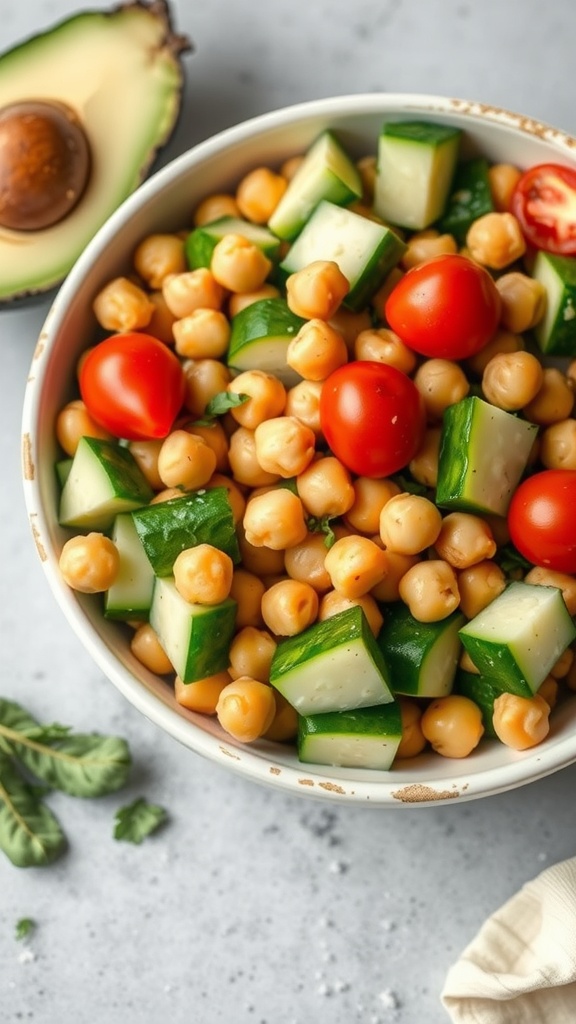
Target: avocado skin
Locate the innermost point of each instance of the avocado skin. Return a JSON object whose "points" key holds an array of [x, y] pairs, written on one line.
{"points": [[70, 63]]}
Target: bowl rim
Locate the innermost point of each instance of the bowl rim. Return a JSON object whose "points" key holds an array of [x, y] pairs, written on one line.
{"points": [[261, 762]]}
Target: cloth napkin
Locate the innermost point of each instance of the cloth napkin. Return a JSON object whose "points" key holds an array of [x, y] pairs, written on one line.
{"points": [[521, 966]]}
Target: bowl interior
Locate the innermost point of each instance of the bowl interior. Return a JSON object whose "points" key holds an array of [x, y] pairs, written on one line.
{"points": [[166, 202]]}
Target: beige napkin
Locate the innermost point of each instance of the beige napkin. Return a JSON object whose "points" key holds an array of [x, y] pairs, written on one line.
{"points": [[521, 966]]}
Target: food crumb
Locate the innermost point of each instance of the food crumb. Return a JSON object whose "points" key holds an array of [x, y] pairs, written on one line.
{"points": [[26, 956], [389, 999], [338, 867]]}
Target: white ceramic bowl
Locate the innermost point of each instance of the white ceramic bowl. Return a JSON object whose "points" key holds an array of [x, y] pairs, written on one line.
{"points": [[166, 201]]}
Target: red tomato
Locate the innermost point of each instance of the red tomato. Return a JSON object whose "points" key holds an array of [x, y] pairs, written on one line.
{"points": [[544, 202], [133, 385], [372, 417], [447, 307], [541, 519]]}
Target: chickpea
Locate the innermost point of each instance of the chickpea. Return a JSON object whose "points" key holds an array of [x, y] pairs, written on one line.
{"points": [[384, 346], [430, 589], [235, 495], [464, 540], [203, 694], [290, 166], [523, 301], [261, 561], [214, 435], [424, 466], [325, 487], [478, 585], [146, 454], [166, 495], [203, 334], [203, 574], [370, 496], [240, 300], [289, 607], [367, 169], [251, 653], [185, 460], [193, 289], [548, 690], [239, 264], [246, 709], [89, 563], [146, 647], [409, 523], [503, 179], [266, 397], [441, 383], [305, 562], [381, 295], [247, 590], [425, 245], [122, 306], [284, 446], [259, 193], [397, 566], [73, 422], [355, 565], [467, 664], [316, 350], [413, 739], [558, 445], [350, 323], [162, 319], [317, 291], [220, 204], [157, 256], [553, 402], [452, 725], [550, 578], [501, 341], [303, 402], [335, 602], [243, 460], [521, 722], [204, 378], [284, 726], [275, 520], [512, 379], [495, 240], [562, 667]]}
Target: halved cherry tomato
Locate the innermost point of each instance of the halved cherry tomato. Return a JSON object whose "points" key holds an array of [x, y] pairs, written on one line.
{"points": [[544, 203], [541, 519], [133, 385], [372, 417], [447, 307]]}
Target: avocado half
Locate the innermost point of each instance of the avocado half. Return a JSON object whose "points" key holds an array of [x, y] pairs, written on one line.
{"points": [[119, 75]]}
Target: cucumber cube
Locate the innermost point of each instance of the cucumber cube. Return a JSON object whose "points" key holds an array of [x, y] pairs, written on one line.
{"points": [[556, 331], [335, 665], [519, 636], [260, 337], [201, 242], [416, 165], [103, 480], [130, 596], [364, 738], [364, 250], [483, 691], [196, 637], [483, 454], [422, 656], [470, 197]]}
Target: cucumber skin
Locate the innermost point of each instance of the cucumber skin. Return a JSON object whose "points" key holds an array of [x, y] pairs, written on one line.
{"points": [[201, 242], [382, 722], [128, 486], [426, 132], [483, 691], [262, 319], [560, 339], [406, 642], [470, 197]]}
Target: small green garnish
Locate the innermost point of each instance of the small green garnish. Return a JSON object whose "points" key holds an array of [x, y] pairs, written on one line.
{"points": [[220, 404], [138, 820], [322, 524], [24, 928]]}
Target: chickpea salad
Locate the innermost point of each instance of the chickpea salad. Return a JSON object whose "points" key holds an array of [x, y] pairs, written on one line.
{"points": [[322, 462]]}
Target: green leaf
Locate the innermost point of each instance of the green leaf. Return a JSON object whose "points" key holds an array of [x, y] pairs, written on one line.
{"points": [[24, 928], [30, 835], [220, 404], [138, 820], [410, 485], [322, 524], [511, 561]]}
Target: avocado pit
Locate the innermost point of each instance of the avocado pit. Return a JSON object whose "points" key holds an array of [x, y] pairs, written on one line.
{"points": [[44, 164]]}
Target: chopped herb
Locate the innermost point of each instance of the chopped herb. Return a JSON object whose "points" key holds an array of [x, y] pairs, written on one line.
{"points": [[24, 928], [511, 561], [138, 820], [322, 524], [218, 405], [410, 485]]}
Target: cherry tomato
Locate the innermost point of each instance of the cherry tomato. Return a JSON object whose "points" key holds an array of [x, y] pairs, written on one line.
{"points": [[372, 417], [447, 307], [544, 203], [541, 519], [133, 385]]}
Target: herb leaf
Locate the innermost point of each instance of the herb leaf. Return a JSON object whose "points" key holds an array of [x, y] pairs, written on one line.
{"points": [[24, 927], [220, 404], [138, 820], [322, 524], [30, 835]]}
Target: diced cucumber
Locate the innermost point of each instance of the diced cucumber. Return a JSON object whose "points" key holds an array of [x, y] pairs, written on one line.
{"points": [[364, 738], [63, 467], [169, 527], [519, 636], [556, 331], [422, 656], [416, 164], [260, 336], [483, 692], [201, 242], [196, 637], [335, 665], [326, 172], [364, 250], [483, 454], [130, 596], [470, 197], [104, 479]]}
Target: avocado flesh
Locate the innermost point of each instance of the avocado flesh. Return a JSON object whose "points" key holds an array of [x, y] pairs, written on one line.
{"points": [[122, 74]]}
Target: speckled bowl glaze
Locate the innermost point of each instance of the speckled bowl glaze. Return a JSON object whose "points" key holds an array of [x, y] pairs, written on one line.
{"points": [[165, 202]]}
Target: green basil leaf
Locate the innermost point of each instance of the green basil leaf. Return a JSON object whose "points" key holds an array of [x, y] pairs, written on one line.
{"points": [[138, 820], [81, 764], [30, 835], [322, 524]]}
